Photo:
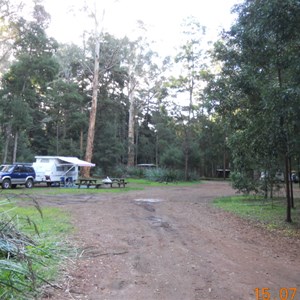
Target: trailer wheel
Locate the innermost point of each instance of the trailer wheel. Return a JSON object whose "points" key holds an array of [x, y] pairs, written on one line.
{"points": [[6, 184], [29, 183]]}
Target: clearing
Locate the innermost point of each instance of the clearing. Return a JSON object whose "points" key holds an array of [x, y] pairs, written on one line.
{"points": [[170, 243]]}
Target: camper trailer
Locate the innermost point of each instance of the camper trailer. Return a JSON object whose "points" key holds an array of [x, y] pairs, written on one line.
{"points": [[58, 169]]}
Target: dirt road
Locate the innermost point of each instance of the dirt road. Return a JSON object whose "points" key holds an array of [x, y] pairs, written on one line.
{"points": [[170, 243]]}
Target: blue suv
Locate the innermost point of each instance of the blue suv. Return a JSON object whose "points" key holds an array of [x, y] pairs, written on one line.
{"points": [[16, 174]]}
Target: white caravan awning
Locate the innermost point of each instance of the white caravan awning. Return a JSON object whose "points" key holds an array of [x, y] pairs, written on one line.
{"points": [[76, 161], [69, 160]]}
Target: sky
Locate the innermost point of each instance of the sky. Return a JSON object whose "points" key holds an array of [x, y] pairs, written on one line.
{"points": [[162, 18]]}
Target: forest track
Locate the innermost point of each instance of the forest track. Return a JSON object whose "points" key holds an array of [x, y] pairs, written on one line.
{"points": [[170, 243]]}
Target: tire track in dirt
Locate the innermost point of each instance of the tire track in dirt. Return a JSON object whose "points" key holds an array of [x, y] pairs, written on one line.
{"points": [[170, 243]]}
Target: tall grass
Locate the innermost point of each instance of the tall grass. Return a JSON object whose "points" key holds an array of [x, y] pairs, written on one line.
{"points": [[268, 213], [29, 249]]}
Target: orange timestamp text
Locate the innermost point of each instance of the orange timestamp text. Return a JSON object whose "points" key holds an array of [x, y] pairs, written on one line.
{"points": [[283, 294]]}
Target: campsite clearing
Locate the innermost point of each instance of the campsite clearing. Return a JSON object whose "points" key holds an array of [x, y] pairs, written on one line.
{"points": [[167, 243]]}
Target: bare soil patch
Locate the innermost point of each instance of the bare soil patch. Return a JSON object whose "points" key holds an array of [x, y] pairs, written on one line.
{"points": [[171, 243]]}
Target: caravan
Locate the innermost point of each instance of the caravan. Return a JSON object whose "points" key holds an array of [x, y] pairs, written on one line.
{"points": [[58, 169]]}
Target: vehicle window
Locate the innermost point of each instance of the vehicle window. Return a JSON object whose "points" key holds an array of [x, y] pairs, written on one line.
{"points": [[7, 168], [17, 169], [10, 168], [23, 169]]}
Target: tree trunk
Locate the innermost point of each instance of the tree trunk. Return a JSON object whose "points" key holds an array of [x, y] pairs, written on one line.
{"points": [[130, 161], [5, 151], [92, 121], [186, 165], [15, 147], [291, 183], [81, 139], [224, 164], [186, 153], [288, 195], [81, 142], [57, 138]]}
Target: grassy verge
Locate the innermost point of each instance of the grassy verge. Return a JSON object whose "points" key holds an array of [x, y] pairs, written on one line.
{"points": [[133, 184], [145, 182], [267, 213], [37, 249]]}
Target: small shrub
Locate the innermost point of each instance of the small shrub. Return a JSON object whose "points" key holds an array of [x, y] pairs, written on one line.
{"points": [[243, 183], [162, 175], [98, 172], [135, 172], [18, 280], [120, 171], [26, 260], [155, 174]]}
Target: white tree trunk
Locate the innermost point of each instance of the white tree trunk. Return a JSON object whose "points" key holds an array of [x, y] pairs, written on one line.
{"points": [[93, 112], [15, 147], [130, 161], [5, 150]]}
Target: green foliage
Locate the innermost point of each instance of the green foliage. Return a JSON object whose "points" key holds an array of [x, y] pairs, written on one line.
{"points": [[29, 253], [172, 158], [163, 175], [257, 90], [24, 85], [243, 182], [135, 172], [46, 93]]}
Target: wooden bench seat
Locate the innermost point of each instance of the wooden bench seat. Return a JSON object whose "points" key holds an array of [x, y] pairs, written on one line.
{"points": [[97, 185], [116, 182]]}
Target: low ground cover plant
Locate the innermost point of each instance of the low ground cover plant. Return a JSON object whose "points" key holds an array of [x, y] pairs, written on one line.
{"points": [[268, 213], [30, 251]]}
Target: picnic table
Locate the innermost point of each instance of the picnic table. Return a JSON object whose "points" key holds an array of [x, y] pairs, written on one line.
{"points": [[88, 182], [118, 181]]}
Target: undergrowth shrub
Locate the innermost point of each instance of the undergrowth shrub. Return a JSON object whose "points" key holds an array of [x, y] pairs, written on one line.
{"points": [[135, 172], [24, 260], [153, 174], [243, 183], [162, 175]]}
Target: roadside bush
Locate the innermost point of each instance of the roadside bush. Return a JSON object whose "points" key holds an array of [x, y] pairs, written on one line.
{"points": [[119, 171], [268, 186], [135, 172], [98, 172], [17, 277], [162, 175], [243, 183], [192, 176], [153, 174], [26, 262]]}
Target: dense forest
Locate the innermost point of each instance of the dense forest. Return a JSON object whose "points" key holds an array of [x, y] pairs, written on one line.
{"points": [[233, 105]]}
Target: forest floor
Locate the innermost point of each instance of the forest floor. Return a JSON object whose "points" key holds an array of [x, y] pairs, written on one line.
{"points": [[171, 243]]}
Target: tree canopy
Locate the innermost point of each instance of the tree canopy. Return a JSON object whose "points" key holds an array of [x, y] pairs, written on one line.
{"points": [[233, 107]]}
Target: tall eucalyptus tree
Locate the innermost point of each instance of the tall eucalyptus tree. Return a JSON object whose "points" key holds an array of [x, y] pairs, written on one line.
{"points": [[24, 86], [143, 77], [9, 14], [259, 85], [188, 84]]}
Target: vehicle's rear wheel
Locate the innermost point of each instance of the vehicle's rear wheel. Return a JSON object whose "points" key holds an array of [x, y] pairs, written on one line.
{"points": [[6, 184], [29, 183]]}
